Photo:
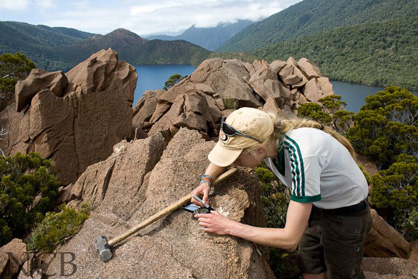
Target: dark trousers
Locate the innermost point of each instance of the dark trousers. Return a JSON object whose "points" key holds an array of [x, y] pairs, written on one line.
{"points": [[333, 241]]}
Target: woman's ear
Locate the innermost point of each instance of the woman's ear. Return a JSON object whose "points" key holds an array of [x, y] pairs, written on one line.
{"points": [[261, 150]]}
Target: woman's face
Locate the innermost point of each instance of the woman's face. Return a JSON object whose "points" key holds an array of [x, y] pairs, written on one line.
{"points": [[249, 159]]}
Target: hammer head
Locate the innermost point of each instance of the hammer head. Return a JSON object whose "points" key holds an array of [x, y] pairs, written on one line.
{"points": [[103, 249]]}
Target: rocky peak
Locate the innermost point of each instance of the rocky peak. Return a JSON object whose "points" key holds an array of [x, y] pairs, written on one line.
{"points": [[125, 36]]}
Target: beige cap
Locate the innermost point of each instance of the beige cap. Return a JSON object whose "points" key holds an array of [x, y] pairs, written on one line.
{"points": [[250, 121]]}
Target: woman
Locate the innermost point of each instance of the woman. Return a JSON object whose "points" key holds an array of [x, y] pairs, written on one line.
{"points": [[328, 215]]}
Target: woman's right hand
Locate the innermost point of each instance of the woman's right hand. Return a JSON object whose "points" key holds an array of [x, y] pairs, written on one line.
{"points": [[201, 191]]}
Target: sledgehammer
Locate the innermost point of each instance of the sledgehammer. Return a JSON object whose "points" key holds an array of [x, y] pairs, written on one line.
{"points": [[103, 246]]}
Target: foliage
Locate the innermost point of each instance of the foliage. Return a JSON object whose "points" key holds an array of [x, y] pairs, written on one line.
{"points": [[315, 112], [332, 112], [230, 103], [386, 126], [316, 16], [174, 79], [12, 69], [410, 226], [56, 228], [380, 54], [397, 189], [28, 188], [342, 119]]}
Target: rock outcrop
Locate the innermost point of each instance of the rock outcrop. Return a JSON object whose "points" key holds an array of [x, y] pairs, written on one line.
{"points": [[389, 268], [139, 179], [199, 101], [384, 241], [73, 118], [12, 257]]}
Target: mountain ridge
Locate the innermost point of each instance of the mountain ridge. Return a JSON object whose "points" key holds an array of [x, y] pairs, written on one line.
{"points": [[210, 38], [59, 48], [314, 16]]}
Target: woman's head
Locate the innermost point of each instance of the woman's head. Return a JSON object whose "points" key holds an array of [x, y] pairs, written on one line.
{"points": [[254, 133], [244, 128]]}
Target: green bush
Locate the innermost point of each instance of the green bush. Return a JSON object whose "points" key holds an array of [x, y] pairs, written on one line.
{"points": [[331, 113], [56, 228], [314, 112], [386, 126], [13, 67], [27, 190], [396, 190], [410, 226]]}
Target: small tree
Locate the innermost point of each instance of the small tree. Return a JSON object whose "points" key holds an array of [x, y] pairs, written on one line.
{"points": [[13, 67], [342, 119], [27, 190], [386, 126], [56, 228], [396, 189], [315, 112], [173, 80]]}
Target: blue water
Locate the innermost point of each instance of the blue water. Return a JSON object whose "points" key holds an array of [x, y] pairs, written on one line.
{"points": [[153, 77]]}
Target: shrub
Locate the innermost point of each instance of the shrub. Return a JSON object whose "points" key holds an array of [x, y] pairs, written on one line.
{"points": [[230, 104], [314, 112], [386, 126], [410, 226], [332, 113], [56, 228], [396, 189], [27, 190], [13, 67]]}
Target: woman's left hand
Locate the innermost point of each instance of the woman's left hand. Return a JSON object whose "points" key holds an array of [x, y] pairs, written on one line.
{"points": [[216, 223]]}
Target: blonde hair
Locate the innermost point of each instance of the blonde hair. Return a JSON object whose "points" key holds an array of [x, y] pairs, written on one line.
{"points": [[285, 123]]}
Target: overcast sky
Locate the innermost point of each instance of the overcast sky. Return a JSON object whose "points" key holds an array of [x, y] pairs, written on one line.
{"points": [[144, 17]]}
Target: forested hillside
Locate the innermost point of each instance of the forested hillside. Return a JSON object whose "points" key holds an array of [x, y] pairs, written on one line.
{"points": [[37, 41], [62, 48], [377, 54], [315, 16]]}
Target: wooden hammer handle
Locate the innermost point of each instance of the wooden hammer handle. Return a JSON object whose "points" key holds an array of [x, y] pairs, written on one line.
{"points": [[164, 212]]}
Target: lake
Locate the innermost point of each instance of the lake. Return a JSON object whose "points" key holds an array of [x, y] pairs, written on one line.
{"points": [[153, 77]]}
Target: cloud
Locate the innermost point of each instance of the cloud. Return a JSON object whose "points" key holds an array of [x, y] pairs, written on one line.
{"points": [[15, 5], [165, 16], [144, 17], [46, 4]]}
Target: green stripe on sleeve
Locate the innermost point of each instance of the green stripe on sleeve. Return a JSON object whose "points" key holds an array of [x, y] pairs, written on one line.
{"points": [[306, 198], [302, 167]]}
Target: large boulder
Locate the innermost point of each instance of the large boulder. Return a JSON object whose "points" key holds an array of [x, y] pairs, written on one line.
{"points": [[384, 241], [389, 268], [12, 256], [73, 119], [218, 85], [141, 178], [37, 81], [227, 78]]}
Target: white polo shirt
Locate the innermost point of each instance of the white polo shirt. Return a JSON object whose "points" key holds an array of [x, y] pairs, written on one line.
{"points": [[318, 168]]}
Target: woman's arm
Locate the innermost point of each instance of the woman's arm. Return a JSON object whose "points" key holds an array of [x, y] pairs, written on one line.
{"points": [[285, 238]]}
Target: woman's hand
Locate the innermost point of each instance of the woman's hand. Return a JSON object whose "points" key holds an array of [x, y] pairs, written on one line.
{"points": [[202, 190], [216, 223]]}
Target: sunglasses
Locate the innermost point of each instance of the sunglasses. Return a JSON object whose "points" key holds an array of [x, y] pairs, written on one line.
{"points": [[232, 132]]}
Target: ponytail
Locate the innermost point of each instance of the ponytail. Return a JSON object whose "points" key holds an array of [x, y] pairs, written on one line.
{"points": [[284, 125]]}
